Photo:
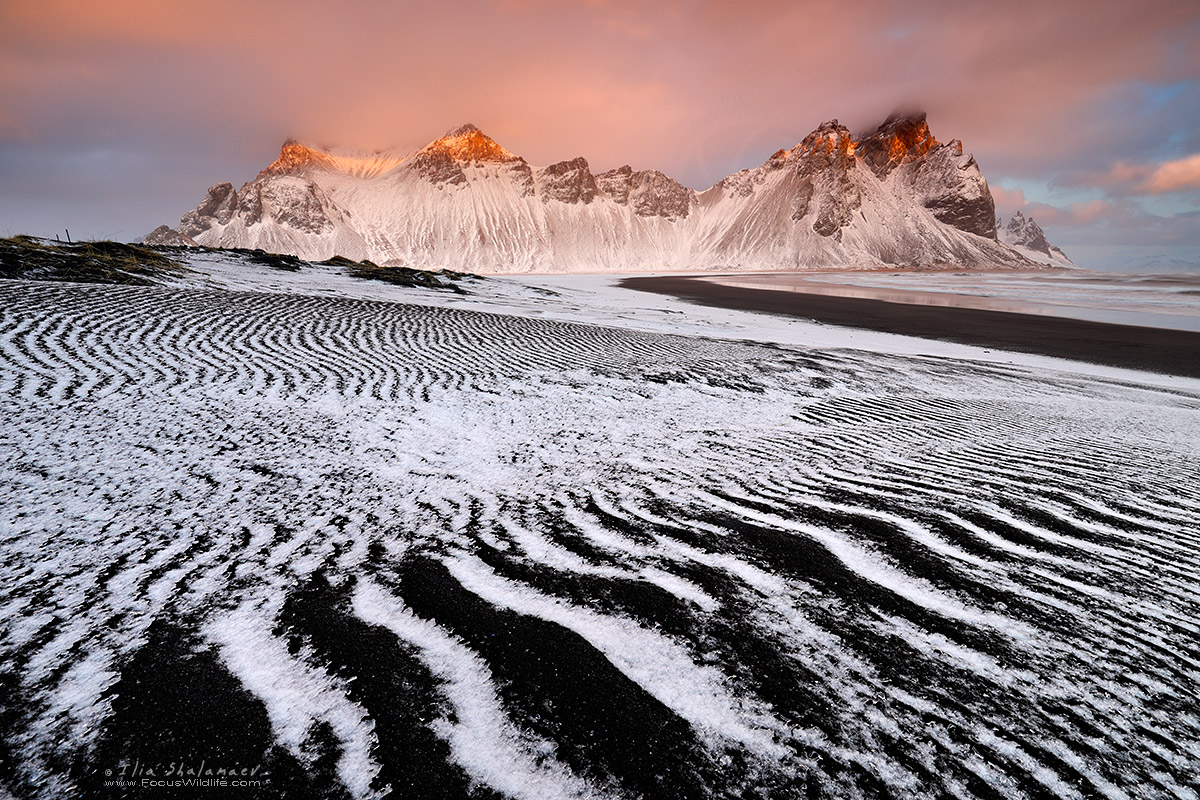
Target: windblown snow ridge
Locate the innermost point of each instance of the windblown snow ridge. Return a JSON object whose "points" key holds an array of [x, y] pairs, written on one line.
{"points": [[378, 549]]}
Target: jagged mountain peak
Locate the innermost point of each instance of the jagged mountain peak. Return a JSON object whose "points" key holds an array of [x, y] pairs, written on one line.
{"points": [[299, 158], [829, 138], [295, 156], [568, 181], [464, 199], [1025, 229], [468, 143], [464, 129], [165, 235], [1024, 232], [903, 137]]}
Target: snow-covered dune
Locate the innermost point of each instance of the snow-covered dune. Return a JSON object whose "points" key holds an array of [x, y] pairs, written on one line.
{"points": [[369, 548]]}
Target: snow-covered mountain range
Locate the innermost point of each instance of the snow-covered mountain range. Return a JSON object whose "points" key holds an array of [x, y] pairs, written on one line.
{"points": [[892, 198]]}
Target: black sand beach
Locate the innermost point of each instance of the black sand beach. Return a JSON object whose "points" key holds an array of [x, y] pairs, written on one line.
{"points": [[322, 545], [1169, 352]]}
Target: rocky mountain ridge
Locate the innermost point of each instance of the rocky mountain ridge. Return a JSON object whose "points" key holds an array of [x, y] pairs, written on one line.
{"points": [[894, 197], [1026, 236]]}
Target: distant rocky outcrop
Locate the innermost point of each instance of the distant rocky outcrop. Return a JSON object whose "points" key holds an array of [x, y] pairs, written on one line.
{"points": [[1029, 237], [217, 208], [165, 235]]}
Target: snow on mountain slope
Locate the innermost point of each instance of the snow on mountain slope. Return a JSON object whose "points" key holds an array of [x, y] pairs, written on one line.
{"points": [[831, 201], [894, 197]]}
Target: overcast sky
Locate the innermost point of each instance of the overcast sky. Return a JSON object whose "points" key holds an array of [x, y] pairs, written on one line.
{"points": [[116, 116]]}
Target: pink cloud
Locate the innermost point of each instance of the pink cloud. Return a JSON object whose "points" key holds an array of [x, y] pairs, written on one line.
{"points": [[1084, 213], [1103, 223], [1120, 176], [696, 89], [1091, 211], [1123, 179], [1007, 200], [615, 80], [1173, 176]]}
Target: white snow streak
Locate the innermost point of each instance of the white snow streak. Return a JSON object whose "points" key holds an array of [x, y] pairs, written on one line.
{"points": [[296, 696], [664, 669], [481, 738]]}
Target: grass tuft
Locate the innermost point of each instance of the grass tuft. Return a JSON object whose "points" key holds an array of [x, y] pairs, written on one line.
{"points": [[281, 261], [31, 258], [402, 276]]}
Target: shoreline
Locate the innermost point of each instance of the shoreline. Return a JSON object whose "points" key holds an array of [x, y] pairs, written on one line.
{"points": [[1160, 350]]}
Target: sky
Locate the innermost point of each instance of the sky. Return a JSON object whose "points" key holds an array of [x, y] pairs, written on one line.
{"points": [[117, 115]]}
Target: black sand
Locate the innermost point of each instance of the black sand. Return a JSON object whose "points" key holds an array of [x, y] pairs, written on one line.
{"points": [[1153, 349]]}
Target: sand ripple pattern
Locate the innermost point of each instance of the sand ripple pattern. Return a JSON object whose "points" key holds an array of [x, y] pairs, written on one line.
{"points": [[371, 549]]}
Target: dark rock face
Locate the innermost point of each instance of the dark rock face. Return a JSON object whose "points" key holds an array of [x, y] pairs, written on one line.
{"points": [[616, 183], [949, 185], [522, 176], [648, 192], [301, 207], [975, 215], [802, 199], [568, 182], [438, 167], [952, 187], [901, 139], [250, 206], [653, 194], [166, 236], [833, 216], [823, 162], [292, 201], [216, 207]]}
